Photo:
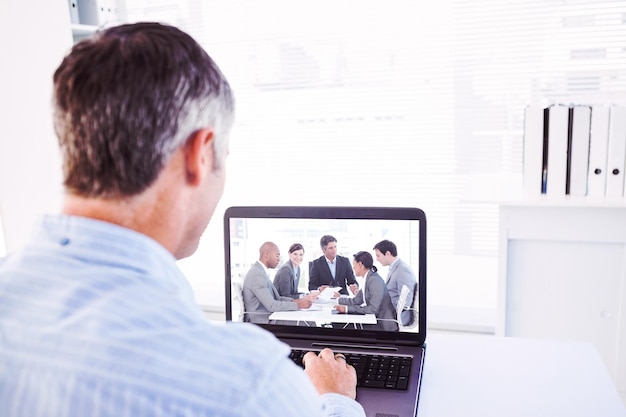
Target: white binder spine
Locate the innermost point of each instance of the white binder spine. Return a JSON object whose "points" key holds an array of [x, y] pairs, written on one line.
{"points": [[73, 5], [557, 150], [579, 150], [598, 148], [533, 150], [616, 152]]}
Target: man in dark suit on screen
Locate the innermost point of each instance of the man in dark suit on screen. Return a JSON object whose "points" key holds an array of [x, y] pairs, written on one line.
{"points": [[331, 269]]}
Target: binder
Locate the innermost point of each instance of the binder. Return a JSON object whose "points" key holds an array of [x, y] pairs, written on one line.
{"points": [[103, 12], [88, 12], [533, 167], [73, 4], [578, 155], [114, 16], [598, 148], [616, 152], [97, 12], [544, 160], [558, 123]]}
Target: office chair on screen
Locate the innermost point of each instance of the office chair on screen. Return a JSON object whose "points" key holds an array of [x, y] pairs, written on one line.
{"points": [[401, 307], [237, 292], [404, 294], [238, 296]]}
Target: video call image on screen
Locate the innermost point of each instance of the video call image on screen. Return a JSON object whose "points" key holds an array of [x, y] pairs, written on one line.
{"points": [[352, 235]]}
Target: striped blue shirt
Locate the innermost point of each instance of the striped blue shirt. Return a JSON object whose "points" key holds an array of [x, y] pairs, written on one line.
{"points": [[97, 320]]}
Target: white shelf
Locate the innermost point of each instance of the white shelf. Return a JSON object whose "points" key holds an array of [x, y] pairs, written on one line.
{"points": [[83, 30], [565, 202]]}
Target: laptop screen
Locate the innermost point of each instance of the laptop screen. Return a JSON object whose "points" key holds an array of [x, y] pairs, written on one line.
{"points": [[353, 230]]}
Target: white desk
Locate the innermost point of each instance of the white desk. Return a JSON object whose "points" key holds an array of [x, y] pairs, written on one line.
{"points": [[501, 376], [325, 315]]}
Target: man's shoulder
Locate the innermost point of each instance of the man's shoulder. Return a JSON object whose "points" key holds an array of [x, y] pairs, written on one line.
{"points": [[319, 260], [254, 270], [343, 259], [404, 266]]}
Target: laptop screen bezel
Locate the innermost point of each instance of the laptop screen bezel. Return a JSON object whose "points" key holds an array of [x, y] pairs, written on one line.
{"points": [[336, 212]]}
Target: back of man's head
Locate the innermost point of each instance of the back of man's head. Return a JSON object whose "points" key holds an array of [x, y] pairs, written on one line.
{"points": [[127, 98]]}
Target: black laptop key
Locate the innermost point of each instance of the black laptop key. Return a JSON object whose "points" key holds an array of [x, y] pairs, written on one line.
{"points": [[402, 383], [296, 356], [373, 371], [369, 383]]}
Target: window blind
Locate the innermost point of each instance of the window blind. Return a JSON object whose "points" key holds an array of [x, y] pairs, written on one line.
{"points": [[397, 104]]}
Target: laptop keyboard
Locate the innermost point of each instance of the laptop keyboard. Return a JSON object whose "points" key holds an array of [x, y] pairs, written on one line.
{"points": [[373, 371]]}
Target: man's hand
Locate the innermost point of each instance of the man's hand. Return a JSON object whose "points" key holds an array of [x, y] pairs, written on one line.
{"points": [[330, 373], [303, 302], [312, 296]]}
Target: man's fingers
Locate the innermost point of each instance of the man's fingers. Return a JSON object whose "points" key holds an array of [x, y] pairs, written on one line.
{"points": [[326, 354], [307, 356]]}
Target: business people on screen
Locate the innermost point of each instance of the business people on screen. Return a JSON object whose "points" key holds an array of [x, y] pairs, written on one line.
{"points": [[400, 273], [260, 297], [331, 269], [287, 277], [372, 298]]}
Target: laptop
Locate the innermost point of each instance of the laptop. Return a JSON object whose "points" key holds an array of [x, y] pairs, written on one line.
{"points": [[389, 384]]}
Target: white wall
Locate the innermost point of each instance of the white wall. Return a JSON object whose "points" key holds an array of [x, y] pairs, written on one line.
{"points": [[34, 36]]}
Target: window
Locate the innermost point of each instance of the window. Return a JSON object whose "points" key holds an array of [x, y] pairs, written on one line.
{"points": [[393, 103]]}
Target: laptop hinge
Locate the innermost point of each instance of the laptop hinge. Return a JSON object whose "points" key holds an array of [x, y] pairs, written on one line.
{"points": [[354, 346]]}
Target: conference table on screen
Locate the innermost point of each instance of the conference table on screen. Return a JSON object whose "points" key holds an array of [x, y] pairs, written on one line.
{"points": [[322, 312]]}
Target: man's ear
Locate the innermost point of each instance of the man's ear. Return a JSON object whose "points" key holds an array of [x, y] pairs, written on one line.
{"points": [[199, 155]]}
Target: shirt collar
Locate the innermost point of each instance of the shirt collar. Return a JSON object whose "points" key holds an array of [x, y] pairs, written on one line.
{"points": [[266, 269]]}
